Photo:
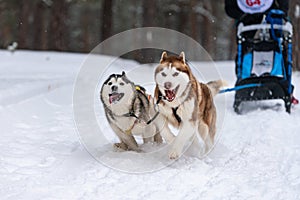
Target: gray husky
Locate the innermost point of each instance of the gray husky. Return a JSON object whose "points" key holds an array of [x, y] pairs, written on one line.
{"points": [[129, 111]]}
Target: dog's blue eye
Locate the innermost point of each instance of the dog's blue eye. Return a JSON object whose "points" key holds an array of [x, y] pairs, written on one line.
{"points": [[109, 83], [121, 83], [176, 74], [163, 74]]}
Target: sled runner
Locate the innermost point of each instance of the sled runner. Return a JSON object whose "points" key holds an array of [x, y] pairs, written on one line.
{"points": [[264, 60]]}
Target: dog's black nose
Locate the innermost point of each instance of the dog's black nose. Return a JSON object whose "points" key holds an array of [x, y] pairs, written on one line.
{"points": [[168, 85], [114, 88]]}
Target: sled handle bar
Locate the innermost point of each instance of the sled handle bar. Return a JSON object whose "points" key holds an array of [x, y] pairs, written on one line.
{"points": [[286, 27]]}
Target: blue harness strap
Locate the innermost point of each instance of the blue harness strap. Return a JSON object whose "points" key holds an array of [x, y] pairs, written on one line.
{"points": [[241, 87]]}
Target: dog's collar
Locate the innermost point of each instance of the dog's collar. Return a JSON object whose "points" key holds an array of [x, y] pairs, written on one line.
{"points": [[160, 97]]}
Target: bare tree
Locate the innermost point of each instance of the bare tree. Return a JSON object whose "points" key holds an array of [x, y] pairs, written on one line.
{"points": [[85, 19], [148, 13], [147, 55], [58, 25], [70, 25], [23, 22], [182, 17], [39, 31], [107, 20], [193, 20], [207, 27]]}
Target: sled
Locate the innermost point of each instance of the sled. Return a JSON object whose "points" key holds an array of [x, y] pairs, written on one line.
{"points": [[264, 62]]}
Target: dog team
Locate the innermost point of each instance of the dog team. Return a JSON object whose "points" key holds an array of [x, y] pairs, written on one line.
{"points": [[180, 100]]}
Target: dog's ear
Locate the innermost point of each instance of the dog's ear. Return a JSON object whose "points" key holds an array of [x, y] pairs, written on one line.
{"points": [[124, 77], [163, 57], [182, 57]]}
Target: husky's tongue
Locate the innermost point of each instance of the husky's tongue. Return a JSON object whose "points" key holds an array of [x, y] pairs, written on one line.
{"points": [[170, 95], [114, 97]]}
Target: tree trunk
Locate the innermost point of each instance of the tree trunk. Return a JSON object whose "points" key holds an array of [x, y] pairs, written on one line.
{"points": [[58, 27], [85, 19], [207, 30], [147, 55], [183, 18], [106, 29], [295, 17], [193, 20], [233, 41], [23, 23], [148, 13], [39, 34]]}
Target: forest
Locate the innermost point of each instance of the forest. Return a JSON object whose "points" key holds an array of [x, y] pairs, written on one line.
{"points": [[80, 25]]}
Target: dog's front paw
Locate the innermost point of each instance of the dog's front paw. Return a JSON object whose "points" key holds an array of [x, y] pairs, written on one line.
{"points": [[174, 155], [120, 147]]}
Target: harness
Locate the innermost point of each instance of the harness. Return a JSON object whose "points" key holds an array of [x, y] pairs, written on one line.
{"points": [[132, 114], [250, 85], [177, 117]]}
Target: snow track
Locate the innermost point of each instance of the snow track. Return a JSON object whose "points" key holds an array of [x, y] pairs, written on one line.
{"points": [[41, 156]]}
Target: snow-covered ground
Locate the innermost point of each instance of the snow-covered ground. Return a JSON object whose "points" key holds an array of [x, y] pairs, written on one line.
{"points": [[42, 157]]}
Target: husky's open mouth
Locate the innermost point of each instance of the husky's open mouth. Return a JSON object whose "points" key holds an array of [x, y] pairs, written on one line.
{"points": [[171, 94], [115, 97]]}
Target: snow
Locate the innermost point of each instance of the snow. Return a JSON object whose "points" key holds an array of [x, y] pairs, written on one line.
{"points": [[257, 155]]}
